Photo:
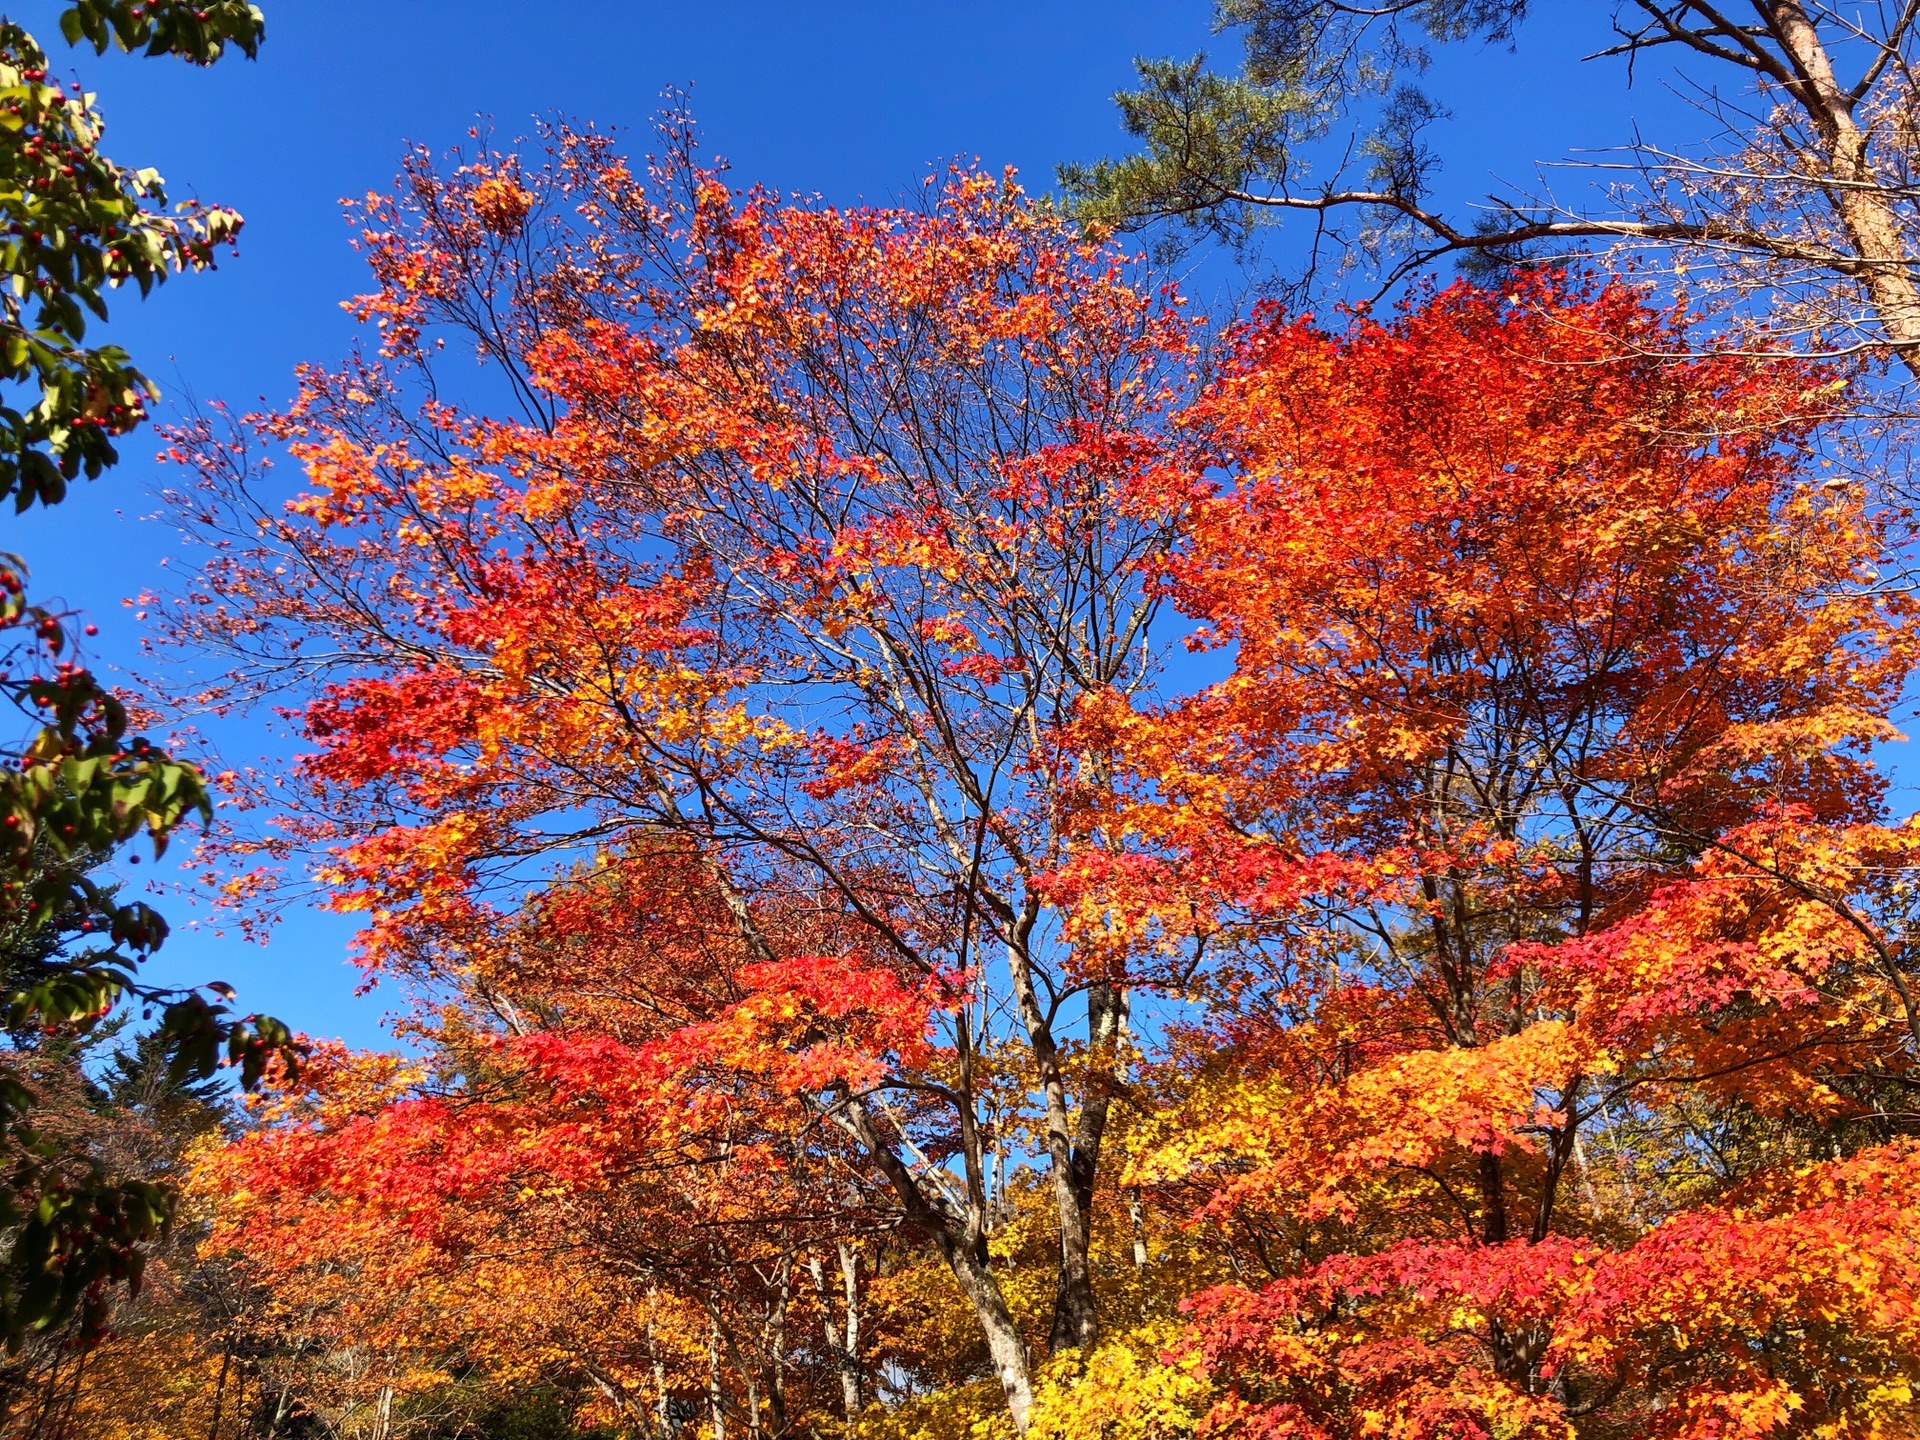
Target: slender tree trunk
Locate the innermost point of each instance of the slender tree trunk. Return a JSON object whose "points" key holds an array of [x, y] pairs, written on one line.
{"points": [[777, 1351], [663, 1416], [842, 1342], [1076, 1320], [1136, 1214], [1586, 1176], [1560, 1150], [999, 1184], [220, 1394], [961, 1242], [850, 1281], [715, 1400], [616, 1394]]}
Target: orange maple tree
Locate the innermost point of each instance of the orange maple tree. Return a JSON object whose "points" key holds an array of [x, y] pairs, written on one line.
{"points": [[745, 723], [811, 530], [1568, 1085]]}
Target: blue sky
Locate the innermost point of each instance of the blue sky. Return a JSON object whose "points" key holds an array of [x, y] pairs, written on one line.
{"points": [[851, 100]]}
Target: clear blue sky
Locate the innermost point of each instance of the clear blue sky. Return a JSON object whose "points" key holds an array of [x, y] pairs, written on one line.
{"points": [[852, 100]]}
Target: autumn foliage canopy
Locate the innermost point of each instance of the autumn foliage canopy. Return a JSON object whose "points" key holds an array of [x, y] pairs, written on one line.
{"points": [[968, 852]]}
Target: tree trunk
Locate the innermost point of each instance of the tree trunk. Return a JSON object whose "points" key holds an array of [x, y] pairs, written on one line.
{"points": [[961, 1242], [616, 1394], [662, 1405], [850, 1280], [715, 1400], [220, 1394], [842, 1341], [777, 1352], [1004, 1345], [1888, 277], [1076, 1320], [1860, 202]]}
